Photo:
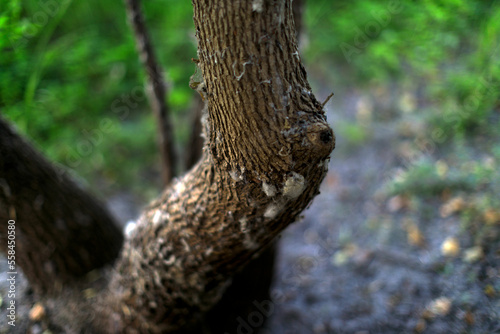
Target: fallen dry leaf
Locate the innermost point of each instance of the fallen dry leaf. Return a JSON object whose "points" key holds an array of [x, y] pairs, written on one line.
{"points": [[450, 247], [455, 204], [420, 326], [489, 290], [413, 233], [473, 254], [469, 318], [397, 203], [37, 312], [438, 307], [491, 216], [343, 256]]}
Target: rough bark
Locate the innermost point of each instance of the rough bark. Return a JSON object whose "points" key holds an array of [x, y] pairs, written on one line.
{"points": [[156, 90], [251, 285], [298, 13], [62, 232], [269, 145]]}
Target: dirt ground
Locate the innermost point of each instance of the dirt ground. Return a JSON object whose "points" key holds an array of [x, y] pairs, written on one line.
{"points": [[348, 265]]}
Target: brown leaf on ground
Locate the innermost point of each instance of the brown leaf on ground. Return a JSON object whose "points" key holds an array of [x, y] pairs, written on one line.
{"points": [[469, 318], [37, 312], [473, 254], [454, 205], [491, 216], [420, 326], [437, 308], [396, 203], [450, 247], [415, 236], [489, 290]]}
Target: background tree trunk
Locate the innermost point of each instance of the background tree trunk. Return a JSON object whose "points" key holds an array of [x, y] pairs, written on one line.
{"points": [[156, 90], [62, 232]]}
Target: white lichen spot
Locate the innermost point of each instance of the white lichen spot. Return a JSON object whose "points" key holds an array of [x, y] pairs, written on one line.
{"points": [[156, 217], [179, 187], [130, 227], [294, 185], [324, 164], [235, 175], [169, 261], [257, 6], [209, 251], [273, 209], [244, 224], [186, 245], [268, 189], [204, 122], [296, 54]]}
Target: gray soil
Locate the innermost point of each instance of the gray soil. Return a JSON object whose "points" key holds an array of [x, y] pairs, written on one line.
{"points": [[347, 266]]}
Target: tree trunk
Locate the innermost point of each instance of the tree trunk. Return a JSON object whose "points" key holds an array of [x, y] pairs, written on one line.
{"points": [[268, 151], [196, 142], [62, 233]]}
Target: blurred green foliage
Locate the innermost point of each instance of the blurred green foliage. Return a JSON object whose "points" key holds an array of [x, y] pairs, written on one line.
{"points": [[447, 51], [71, 81]]}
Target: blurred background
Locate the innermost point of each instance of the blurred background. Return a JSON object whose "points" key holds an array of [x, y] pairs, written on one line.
{"points": [[405, 235]]}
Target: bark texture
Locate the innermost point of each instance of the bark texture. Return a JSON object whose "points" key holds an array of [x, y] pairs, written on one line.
{"points": [[268, 151], [62, 232], [194, 148]]}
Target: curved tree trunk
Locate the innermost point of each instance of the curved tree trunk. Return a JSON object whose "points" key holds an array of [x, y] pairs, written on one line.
{"points": [[268, 151], [62, 232]]}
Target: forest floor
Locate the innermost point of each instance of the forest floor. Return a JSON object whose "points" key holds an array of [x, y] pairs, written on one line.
{"points": [[362, 261]]}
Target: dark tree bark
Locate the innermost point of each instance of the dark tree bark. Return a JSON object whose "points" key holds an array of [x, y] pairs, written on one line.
{"points": [[196, 142], [298, 13], [252, 284], [267, 153], [62, 232]]}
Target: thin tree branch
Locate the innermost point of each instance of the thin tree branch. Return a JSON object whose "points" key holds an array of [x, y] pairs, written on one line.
{"points": [[156, 88]]}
